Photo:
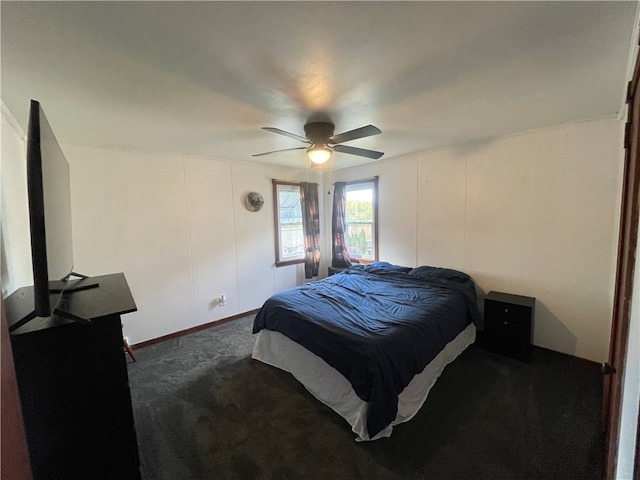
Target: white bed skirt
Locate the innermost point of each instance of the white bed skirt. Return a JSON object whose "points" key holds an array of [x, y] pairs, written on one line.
{"points": [[334, 390]]}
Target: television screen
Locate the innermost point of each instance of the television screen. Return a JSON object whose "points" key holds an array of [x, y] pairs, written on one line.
{"points": [[49, 193]]}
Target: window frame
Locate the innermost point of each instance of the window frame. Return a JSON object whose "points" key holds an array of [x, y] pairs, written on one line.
{"points": [[374, 182], [277, 226]]}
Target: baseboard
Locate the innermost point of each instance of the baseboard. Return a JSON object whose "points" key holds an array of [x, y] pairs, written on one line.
{"points": [[585, 361], [204, 326]]}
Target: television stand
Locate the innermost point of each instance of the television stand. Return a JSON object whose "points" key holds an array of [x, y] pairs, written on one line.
{"points": [[22, 300], [74, 386], [68, 286]]}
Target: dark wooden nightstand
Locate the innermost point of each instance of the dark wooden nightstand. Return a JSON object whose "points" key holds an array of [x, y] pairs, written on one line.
{"points": [[334, 270], [508, 324]]}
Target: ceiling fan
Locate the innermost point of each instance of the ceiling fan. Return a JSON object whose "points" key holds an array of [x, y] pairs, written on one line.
{"points": [[322, 142]]}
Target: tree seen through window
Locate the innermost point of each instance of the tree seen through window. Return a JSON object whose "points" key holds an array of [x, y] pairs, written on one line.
{"points": [[361, 218]]}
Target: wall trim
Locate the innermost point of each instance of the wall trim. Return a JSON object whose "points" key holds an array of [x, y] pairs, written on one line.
{"points": [[187, 331], [6, 113]]}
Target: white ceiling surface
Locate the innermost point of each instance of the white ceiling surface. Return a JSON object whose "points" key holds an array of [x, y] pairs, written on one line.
{"points": [[201, 78]]}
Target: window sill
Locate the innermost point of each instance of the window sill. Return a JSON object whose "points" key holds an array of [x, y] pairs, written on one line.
{"points": [[289, 262], [363, 261]]}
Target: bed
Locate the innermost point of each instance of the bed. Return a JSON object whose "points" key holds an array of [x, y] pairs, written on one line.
{"points": [[371, 341]]}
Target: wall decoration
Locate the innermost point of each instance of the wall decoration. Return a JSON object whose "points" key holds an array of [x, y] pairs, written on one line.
{"points": [[253, 201]]}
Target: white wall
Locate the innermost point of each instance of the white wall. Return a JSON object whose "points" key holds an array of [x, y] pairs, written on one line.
{"points": [[258, 278], [14, 234], [175, 225], [534, 214], [397, 202]]}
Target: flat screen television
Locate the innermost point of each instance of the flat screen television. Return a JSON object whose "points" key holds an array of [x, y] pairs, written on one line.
{"points": [[49, 195]]}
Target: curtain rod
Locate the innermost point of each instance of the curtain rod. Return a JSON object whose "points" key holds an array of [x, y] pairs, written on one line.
{"points": [[289, 182], [364, 180]]}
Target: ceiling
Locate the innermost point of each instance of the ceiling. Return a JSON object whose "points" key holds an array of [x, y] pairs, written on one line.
{"points": [[201, 78]]}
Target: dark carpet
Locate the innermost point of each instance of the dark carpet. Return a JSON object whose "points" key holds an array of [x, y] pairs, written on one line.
{"points": [[205, 410]]}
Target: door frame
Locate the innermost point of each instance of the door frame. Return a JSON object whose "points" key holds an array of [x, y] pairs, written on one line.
{"points": [[627, 241]]}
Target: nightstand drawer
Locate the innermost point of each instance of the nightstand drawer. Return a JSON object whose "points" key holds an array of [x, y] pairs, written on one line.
{"points": [[508, 317]]}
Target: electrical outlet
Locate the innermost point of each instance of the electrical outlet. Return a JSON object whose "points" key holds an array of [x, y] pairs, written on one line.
{"points": [[223, 300]]}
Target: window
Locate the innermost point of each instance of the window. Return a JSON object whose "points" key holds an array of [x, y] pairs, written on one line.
{"points": [[288, 223], [362, 220]]}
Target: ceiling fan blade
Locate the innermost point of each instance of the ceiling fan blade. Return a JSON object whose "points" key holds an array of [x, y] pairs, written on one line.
{"points": [[277, 151], [362, 152], [286, 134], [361, 132]]}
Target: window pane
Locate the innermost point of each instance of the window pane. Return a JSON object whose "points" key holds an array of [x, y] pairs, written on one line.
{"points": [[289, 216], [360, 205], [360, 210]]}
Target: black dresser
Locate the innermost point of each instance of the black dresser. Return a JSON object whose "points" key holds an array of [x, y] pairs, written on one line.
{"points": [[74, 387], [508, 324]]}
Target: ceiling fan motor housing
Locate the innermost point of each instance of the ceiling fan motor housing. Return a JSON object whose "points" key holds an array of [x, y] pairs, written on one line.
{"points": [[319, 133]]}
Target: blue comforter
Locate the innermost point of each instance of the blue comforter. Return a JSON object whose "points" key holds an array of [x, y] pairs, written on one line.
{"points": [[378, 325]]}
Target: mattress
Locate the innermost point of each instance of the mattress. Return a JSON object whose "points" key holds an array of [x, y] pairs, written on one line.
{"points": [[330, 387], [378, 325]]}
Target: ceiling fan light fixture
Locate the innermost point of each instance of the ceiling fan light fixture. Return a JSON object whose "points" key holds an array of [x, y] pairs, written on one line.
{"points": [[319, 154]]}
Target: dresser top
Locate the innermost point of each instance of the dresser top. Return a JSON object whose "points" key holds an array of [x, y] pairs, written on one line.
{"points": [[510, 298], [111, 297]]}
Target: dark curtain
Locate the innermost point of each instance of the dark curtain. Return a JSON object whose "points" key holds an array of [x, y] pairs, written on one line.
{"points": [[311, 228], [340, 249]]}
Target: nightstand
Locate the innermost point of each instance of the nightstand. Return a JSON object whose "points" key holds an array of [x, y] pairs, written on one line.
{"points": [[508, 324], [334, 270]]}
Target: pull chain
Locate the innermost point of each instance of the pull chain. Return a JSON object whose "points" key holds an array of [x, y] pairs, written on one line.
{"points": [[330, 172]]}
